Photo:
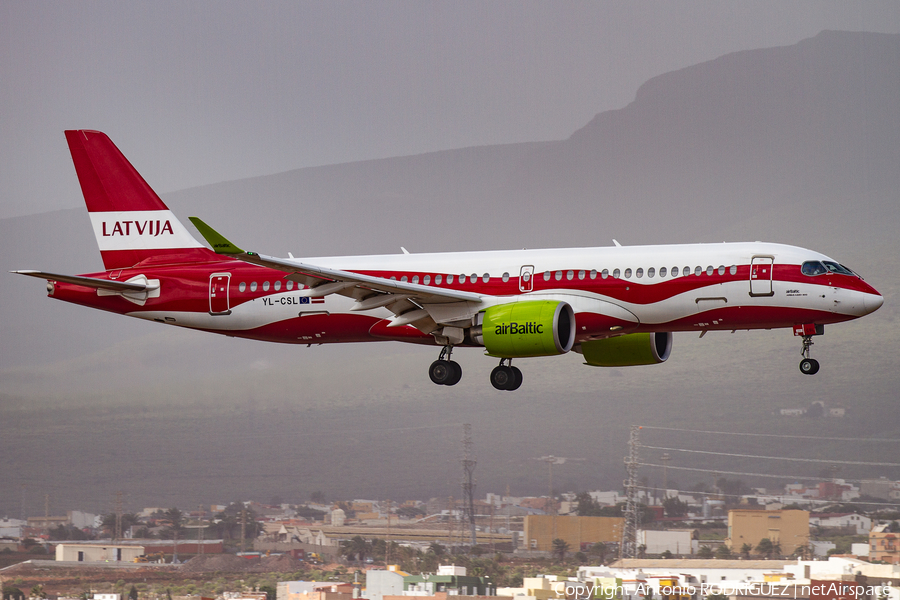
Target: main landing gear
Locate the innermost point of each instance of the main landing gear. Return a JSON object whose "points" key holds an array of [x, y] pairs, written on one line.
{"points": [[808, 366], [506, 377], [444, 371]]}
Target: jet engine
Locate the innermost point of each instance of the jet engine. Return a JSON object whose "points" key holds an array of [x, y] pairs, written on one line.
{"points": [[627, 350], [522, 329]]}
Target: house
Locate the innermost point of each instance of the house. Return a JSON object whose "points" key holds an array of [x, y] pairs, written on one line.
{"points": [[541, 530], [860, 524], [884, 543], [787, 528]]}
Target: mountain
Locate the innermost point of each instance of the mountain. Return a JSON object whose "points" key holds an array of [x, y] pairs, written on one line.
{"points": [[796, 144]]}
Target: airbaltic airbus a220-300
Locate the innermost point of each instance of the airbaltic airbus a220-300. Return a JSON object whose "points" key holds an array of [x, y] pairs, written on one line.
{"points": [[616, 306]]}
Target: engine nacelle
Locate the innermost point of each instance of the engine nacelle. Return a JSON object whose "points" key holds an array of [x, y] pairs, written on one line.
{"points": [[628, 350], [529, 328]]}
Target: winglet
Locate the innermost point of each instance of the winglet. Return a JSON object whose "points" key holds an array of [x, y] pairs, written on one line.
{"points": [[216, 240]]}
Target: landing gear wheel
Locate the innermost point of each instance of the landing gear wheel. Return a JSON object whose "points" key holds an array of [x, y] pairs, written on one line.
{"points": [[502, 377], [441, 372], [517, 379], [809, 366], [456, 374]]}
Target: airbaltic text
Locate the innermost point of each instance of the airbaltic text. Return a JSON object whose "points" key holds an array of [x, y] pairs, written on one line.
{"points": [[519, 329]]}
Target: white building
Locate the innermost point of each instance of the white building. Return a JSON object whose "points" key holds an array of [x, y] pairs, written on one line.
{"points": [[860, 523], [98, 552], [676, 541]]}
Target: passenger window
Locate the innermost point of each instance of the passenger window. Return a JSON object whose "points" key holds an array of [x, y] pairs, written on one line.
{"points": [[686, 271], [709, 270], [546, 275], [505, 277], [485, 278], [426, 279], [265, 286], [721, 269], [242, 287], [604, 273], [581, 274], [558, 275], [473, 278], [404, 279], [278, 285], [615, 273], [639, 273], [393, 278], [628, 273], [449, 279], [698, 271], [252, 286], [651, 272], [733, 270], [438, 278], [570, 275], [662, 271], [415, 279], [290, 285], [593, 273]]}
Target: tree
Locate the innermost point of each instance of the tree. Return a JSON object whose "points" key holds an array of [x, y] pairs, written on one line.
{"points": [[600, 550], [560, 548], [765, 547], [667, 554], [133, 593], [705, 552], [675, 507], [723, 552], [746, 549]]}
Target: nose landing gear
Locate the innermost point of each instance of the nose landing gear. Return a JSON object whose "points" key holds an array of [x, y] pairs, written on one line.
{"points": [[444, 371], [506, 377], [808, 366]]}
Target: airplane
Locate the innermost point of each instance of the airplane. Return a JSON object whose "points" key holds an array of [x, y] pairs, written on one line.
{"points": [[615, 306]]}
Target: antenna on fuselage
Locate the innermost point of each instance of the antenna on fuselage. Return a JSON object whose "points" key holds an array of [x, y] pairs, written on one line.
{"points": [[616, 242]]}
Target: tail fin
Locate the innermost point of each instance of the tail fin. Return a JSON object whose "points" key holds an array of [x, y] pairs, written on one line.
{"points": [[130, 221]]}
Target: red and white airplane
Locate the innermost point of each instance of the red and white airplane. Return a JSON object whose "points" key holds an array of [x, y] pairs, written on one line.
{"points": [[616, 306]]}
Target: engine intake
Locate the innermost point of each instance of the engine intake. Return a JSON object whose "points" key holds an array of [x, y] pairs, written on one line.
{"points": [[523, 329], [628, 350]]}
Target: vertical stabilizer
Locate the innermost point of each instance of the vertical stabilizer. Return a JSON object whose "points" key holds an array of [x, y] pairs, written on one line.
{"points": [[131, 223]]}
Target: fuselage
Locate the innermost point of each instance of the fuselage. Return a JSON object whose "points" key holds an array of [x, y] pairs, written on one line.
{"points": [[612, 290]]}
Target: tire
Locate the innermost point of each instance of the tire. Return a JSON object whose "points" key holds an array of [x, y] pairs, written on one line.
{"points": [[456, 374], [809, 366], [440, 372], [502, 377], [517, 379]]}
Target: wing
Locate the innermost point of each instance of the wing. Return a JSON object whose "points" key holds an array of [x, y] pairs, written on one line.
{"points": [[423, 306]]}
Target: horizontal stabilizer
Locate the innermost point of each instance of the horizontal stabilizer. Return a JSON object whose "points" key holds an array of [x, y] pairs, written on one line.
{"points": [[91, 282]]}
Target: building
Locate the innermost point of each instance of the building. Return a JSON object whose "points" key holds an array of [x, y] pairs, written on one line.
{"points": [[884, 543], [104, 552], [859, 524], [788, 528], [314, 590], [676, 541], [541, 530], [382, 582], [449, 579]]}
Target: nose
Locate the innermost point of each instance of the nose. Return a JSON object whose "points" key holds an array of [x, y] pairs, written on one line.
{"points": [[873, 302]]}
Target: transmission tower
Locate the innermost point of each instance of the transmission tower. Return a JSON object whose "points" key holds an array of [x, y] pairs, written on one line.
{"points": [[468, 481], [117, 534], [628, 547]]}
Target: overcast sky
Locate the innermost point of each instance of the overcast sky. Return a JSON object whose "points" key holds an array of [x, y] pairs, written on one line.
{"points": [[202, 92]]}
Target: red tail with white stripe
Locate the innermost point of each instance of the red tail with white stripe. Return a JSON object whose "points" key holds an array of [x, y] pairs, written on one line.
{"points": [[130, 221]]}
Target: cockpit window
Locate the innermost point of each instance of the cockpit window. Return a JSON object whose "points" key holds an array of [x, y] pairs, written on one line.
{"points": [[833, 267], [813, 267]]}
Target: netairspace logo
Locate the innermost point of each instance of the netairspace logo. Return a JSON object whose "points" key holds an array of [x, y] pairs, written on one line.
{"points": [[564, 589]]}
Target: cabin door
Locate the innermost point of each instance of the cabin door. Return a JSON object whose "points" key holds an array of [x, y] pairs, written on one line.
{"points": [[761, 268], [218, 294], [526, 278]]}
